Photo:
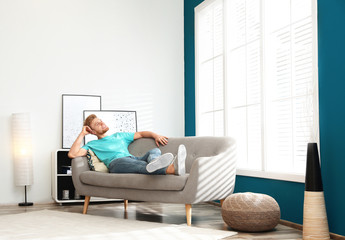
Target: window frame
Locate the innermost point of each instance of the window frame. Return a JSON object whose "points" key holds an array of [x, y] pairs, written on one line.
{"points": [[293, 177]]}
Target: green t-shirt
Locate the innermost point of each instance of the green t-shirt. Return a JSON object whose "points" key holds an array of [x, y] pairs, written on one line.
{"points": [[111, 147]]}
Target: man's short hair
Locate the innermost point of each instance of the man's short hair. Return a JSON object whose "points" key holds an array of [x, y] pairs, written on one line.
{"points": [[89, 120]]}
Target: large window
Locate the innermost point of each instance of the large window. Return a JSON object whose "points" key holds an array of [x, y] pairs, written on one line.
{"points": [[256, 80]]}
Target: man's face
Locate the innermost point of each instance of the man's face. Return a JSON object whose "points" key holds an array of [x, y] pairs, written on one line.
{"points": [[98, 126]]}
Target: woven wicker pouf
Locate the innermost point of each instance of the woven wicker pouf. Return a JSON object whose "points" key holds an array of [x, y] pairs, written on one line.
{"points": [[250, 212]]}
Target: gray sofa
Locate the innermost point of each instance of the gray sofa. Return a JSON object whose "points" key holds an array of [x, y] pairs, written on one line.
{"points": [[210, 168]]}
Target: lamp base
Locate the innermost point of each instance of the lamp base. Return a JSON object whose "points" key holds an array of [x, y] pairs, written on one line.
{"points": [[24, 204]]}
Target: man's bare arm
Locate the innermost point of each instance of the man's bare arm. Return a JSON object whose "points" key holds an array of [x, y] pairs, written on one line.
{"points": [[76, 150], [147, 134]]}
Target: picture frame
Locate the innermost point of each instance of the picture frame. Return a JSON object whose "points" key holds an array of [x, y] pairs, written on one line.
{"points": [[116, 120], [73, 106]]}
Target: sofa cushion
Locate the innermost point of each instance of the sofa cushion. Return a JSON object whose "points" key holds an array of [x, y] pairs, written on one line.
{"points": [[94, 163], [134, 181]]}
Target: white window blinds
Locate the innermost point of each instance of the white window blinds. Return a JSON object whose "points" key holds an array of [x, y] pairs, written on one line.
{"points": [[256, 78], [244, 78], [289, 81], [210, 86]]}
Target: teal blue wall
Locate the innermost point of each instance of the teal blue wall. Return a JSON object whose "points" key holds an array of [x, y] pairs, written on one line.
{"points": [[189, 86], [331, 52]]}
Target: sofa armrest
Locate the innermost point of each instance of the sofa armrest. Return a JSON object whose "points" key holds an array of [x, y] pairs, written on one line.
{"points": [[79, 165], [212, 178]]}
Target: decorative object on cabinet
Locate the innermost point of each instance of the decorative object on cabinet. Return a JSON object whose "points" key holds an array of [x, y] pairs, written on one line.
{"points": [[116, 120], [72, 115]]}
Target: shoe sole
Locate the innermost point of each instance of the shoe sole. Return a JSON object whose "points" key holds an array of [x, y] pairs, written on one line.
{"points": [[181, 158], [161, 162]]}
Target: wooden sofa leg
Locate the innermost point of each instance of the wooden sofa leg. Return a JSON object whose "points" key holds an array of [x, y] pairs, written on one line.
{"points": [[189, 214], [86, 204], [221, 202], [125, 203]]}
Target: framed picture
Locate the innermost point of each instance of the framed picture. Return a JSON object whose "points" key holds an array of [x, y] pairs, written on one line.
{"points": [[116, 120], [73, 107]]}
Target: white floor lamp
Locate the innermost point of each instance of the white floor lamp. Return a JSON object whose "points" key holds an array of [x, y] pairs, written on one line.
{"points": [[22, 152]]}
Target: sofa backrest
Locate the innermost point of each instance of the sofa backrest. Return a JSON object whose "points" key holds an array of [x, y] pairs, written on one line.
{"points": [[196, 147]]}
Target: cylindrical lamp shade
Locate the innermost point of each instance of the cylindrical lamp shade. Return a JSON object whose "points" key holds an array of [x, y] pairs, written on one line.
{"points": [[22, 149]]}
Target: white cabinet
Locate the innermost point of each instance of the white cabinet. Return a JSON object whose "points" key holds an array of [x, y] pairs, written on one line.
{"points": [[63, 190]]}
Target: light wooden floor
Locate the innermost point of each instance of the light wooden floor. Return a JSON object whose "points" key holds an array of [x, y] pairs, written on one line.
{"points": [[204, 215]]}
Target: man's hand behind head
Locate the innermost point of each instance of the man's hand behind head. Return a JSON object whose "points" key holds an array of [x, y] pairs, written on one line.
{"points": [[86, 130]]}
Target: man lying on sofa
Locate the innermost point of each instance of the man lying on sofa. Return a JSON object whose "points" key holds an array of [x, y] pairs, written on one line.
{"points": [[113, 151]]}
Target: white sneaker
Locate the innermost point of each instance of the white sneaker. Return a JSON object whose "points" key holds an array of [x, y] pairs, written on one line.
{"points": [[180, 161], [161, 162]]}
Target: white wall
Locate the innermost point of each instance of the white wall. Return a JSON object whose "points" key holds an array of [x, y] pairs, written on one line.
{"points": [[128, 51]]}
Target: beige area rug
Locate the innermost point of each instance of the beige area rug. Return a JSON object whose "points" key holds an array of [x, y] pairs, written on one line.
{"points": [[47, 224]]}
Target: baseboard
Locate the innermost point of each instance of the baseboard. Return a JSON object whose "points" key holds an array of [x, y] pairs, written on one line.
{"points": [[291, 224]]}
